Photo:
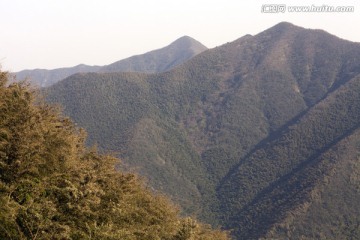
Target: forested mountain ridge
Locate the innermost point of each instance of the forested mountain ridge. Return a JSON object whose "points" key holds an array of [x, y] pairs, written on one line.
{"points": [[159, 60], [241, 134]]}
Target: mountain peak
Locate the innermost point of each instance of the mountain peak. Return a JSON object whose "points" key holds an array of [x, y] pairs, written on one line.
{"points": [[285, 25], [281, 28], [185, 38], [161, 60], [188, 42]]}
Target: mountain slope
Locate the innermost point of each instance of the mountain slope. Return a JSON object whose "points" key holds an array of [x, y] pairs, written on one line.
{"points": [[286, 168], [332, 204], [224, 132], [159, 60]]}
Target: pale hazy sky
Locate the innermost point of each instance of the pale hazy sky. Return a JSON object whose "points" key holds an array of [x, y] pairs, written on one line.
{"points": [[62, 33]]}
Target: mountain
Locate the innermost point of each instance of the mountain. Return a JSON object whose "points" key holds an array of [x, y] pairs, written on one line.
{"points": [[160, 60], [260, 135]]}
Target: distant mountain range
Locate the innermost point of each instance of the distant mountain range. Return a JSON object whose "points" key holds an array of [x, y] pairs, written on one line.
{"points": [[260, 135], [45, 78], [160, 60]]}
